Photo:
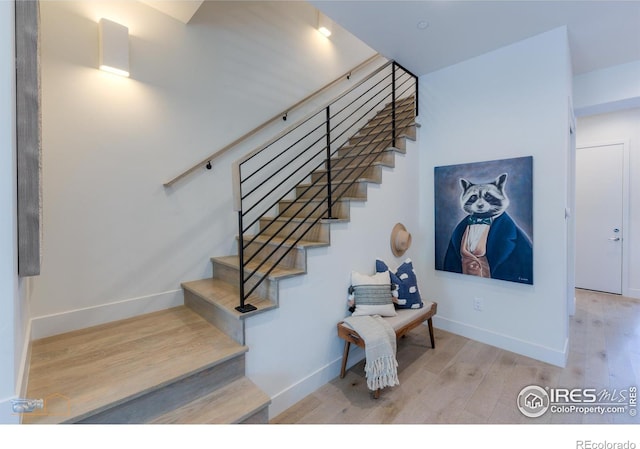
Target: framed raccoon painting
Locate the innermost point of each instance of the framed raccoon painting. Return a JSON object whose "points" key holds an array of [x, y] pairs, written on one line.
{"points": [[484, 219]]}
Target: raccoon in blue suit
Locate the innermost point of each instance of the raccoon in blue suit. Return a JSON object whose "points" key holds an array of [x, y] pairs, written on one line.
{"points": [[487, 242]]}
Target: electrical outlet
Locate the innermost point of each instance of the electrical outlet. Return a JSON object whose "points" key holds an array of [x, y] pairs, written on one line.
{"points": [[477, 304]]}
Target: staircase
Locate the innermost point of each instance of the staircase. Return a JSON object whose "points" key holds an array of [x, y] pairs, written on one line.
{"points": [[187, 364], [216, 297]]}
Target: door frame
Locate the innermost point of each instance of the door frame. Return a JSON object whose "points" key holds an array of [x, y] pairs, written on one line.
{"points": [[625, 204]]}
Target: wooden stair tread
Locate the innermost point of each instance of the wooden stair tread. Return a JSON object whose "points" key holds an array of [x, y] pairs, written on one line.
{"points": [[226, 296], [276, 240], [230, 404], [342, 183], [83, 372], [277, 273], [353, 166], [381, 136], [321, 220]]}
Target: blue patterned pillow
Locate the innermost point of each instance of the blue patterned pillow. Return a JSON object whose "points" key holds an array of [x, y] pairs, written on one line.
{"points": [[405, 277]]}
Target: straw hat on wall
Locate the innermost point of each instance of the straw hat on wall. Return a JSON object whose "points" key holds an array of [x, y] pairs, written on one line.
{"points": [[400, 240]]}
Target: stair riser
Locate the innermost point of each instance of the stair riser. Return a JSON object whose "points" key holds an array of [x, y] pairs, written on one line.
{"points": [[383, 123], [379, 149], [148, 406], [404, 102], [382, 136], [267, 289], [404, 110], [260, 417], [337, 174], [318, 232], [215, 315], [298, 209], [385, 158], [292, 257], [355, 190]]}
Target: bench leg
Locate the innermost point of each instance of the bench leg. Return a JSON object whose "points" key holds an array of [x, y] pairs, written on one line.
{"points": [[345, 356], [433, 341], [376, 394]]}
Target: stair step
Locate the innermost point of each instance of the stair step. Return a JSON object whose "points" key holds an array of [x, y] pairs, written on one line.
{"points": [[373, 171], [302, 244], [379, 135], [362, 150], [216, 301], [309, 208], [238, 402], [386, 117], [348, 188], [350, 156], [276, 274], [288, 252], [130, 370], [298, 227], [225, 296]]}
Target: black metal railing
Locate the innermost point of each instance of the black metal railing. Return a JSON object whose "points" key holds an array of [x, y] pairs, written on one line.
{"points": [[314, 164]]}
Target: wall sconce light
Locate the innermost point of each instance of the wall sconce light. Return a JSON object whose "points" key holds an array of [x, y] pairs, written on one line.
{"points": [[325, 25], [114, 47]]}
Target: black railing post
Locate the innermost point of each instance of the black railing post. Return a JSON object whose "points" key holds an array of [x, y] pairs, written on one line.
{"points": [[415, 78], [393, 104], [243, 307], [329, 196]]}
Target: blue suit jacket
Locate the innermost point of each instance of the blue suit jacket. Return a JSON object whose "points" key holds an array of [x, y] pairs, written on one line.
{"points": [[509, 251]]}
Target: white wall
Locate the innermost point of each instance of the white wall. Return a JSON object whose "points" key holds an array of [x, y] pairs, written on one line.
{"points": [[621, 127], [508, 103], [116, 242], [10, 316]]}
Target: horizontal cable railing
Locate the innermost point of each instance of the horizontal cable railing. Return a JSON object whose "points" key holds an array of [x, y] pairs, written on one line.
{"points": [[285, 188], [208, 161]]}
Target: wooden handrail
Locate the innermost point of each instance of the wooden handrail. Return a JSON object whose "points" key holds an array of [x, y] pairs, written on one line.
{"points": [[208, 160]]}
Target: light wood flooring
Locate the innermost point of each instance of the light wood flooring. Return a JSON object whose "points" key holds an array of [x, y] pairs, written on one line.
{"points": [[466, 382]]}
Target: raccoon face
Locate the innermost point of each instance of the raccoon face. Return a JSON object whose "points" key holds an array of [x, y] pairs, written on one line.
{"points": [[484, 200]]}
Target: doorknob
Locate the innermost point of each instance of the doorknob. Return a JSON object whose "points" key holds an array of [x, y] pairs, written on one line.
{"points": [[614, 239]]}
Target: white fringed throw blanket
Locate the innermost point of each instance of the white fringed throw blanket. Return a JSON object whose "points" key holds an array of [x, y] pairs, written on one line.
{"points": [[381, 367]]}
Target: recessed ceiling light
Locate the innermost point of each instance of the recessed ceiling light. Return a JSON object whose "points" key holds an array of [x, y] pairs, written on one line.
{"points": [[423, 25]]}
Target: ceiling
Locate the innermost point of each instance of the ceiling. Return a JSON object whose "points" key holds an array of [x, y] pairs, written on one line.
{"points": [[182, 10], [425, 36]]}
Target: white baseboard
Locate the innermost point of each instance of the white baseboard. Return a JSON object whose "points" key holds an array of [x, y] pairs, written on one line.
{"points": [[508, 343], [633, 293], [58, 323], [7, 416], [25, 358], [301, 389]]}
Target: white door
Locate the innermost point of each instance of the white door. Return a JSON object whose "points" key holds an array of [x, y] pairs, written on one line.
{"points": [[599, 202]]}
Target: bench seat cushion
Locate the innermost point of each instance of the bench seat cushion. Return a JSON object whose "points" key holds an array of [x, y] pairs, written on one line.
{"points": [[407, 316], [407, 319]]}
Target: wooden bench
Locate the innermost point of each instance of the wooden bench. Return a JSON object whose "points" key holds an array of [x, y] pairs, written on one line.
{"points": [[406, 320]]}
